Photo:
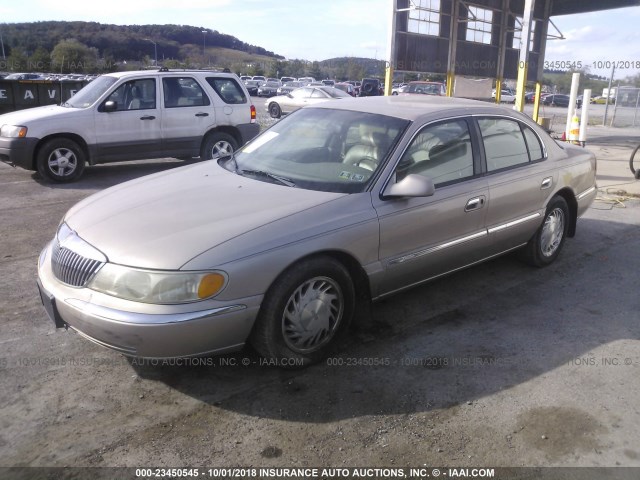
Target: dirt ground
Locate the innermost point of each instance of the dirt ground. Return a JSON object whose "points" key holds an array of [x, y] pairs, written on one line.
{"points": [[499, 365]]}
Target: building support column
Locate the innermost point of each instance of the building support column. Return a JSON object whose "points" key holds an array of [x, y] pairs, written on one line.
{"points": [[453, 42], [523, 60]]}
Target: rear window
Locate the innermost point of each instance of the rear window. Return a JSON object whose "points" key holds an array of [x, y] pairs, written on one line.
{"points": [[228, 90]]}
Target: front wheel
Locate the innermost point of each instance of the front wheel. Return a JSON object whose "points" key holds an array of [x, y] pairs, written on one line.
{"points": [[218, 145], [305, 312], [274, 110], [61, 160], [544, 247]]}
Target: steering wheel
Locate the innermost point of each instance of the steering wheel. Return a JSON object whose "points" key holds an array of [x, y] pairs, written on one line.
{"points": [[368, 163]]}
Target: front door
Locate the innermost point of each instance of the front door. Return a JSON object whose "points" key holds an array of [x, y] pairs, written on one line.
{"points": [[132, 130], [421, 238]]}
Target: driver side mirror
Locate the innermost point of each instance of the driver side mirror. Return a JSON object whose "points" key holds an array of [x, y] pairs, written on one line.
{"points": [[412, 185], [110, 106]]}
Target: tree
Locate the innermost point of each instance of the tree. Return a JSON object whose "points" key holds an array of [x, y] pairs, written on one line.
{"points": [[70, 55], [40, 61], [17, 60]]}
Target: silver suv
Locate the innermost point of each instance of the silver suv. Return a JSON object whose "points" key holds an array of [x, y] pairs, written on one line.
{"points": [[129, 116]]}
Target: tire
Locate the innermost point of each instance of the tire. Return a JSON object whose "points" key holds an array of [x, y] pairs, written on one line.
{"points": [[544, 247], [61, 160], [305, 313], [274, 110], [218, 145]]}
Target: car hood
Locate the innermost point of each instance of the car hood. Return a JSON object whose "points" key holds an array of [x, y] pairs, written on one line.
{"points": [[30, 115], [164, 220]]}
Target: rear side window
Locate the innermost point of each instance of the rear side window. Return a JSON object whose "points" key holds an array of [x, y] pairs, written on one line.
{"points": [[533, 143], [183, 92], [228, 90], [504, 143]]}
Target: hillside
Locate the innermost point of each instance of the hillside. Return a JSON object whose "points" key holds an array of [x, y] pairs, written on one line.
{"points": [[34, 44]]}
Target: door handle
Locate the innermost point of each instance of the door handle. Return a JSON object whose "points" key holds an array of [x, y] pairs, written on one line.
{"points": [[546, 183], [202, 114], [474, 204], [148, 117]]}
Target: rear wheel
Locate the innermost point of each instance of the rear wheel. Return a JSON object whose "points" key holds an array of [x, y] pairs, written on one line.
{"points": [[61, 160], [305, 312], [544, 247], [218, 145]]}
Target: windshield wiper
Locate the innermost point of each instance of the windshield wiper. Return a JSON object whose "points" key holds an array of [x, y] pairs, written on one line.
{"points": [[282, 180]]}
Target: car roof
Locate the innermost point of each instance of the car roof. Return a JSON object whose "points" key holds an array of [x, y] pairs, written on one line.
{"points": [[412, 107], [134, 73]]}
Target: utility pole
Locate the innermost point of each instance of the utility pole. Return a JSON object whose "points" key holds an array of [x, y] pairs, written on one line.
{"points": [[2, 43], [155, 49]]}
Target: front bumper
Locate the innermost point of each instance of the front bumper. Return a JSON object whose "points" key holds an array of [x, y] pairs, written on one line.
{"points": [[18, 151], [147, 331]]}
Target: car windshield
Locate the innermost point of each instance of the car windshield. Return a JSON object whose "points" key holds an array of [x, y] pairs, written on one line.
{"points": [[88, 95], [334, 92], [321, 149]]}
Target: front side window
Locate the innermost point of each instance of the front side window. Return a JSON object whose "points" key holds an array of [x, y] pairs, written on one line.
{"points": [[228, 90], [183, 92], [139, 94], [441, 152]]}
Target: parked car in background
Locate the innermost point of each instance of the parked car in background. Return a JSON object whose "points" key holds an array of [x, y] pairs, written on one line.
{"points": [[289, 87], [252, 86], [425, 88], [338, 205], [306, 80], [560, 100], [129, 116], [346, 87], [328, 83], [398, 89], [600, 100], [23, 76], [259, 78], [284, 80], [301, 97], [506, 96], [357, 85], [529, 97], [269, 89]]}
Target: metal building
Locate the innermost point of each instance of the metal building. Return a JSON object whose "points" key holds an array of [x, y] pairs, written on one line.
{"points": [[501, 39]]}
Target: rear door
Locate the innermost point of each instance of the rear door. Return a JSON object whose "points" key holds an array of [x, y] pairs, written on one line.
{"points": [[519, 178], [188, 114], [232, 105]]}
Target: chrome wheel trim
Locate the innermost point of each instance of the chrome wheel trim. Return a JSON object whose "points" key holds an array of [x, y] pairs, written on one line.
{"points": [[552, 232], [312, 314], [62, 162], [220, 149]]}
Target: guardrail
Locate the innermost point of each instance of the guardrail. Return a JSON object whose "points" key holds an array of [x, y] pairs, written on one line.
{"points": [[21, 94]]}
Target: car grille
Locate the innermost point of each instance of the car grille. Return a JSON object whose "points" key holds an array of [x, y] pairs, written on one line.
{"points": [[71, 268]]}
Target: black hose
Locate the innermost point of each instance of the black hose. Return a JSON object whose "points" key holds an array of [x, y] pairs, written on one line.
{"points": [[636, 173]]}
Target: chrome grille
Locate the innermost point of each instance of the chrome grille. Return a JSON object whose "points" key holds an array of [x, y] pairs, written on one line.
{"points": [[71, 268]]}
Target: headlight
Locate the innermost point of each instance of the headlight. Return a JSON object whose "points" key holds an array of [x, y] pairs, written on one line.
{"points": [[13, 131], [150, 286]]}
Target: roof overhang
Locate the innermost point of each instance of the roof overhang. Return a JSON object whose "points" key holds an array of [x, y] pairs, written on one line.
{"points": [[569, 7]]}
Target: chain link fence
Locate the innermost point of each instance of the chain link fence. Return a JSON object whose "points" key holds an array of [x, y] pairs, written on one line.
{"points": [[625, 110]]}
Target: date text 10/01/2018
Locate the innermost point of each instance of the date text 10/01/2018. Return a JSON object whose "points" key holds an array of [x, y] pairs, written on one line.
{"points": [[599, 64]]}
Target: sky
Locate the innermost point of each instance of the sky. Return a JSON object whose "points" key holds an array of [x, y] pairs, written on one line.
{"points": [[326, 29]]}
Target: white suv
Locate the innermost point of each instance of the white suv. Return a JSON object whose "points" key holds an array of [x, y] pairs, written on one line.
{"points": [[128, 116]]}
